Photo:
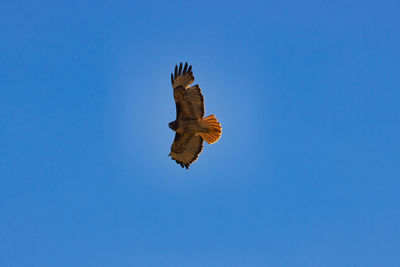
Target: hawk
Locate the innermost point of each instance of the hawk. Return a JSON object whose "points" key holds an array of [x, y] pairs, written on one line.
{"points": [[190, 126]]}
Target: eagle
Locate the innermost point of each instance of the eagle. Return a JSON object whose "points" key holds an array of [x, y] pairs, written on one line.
{"points": [[190, 126]]}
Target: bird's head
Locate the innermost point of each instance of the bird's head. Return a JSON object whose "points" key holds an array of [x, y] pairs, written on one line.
{"points": [[173, 125]]}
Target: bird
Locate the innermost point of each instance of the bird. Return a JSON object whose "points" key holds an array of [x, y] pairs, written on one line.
{"points": [[191, 127]]}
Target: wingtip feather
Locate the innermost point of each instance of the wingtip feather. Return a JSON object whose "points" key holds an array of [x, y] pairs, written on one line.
{"points": [[176, 71], [180, 69], [185, 68]]}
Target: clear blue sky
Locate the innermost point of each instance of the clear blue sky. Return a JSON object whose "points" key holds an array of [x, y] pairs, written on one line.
{"points": [[306, 173]]}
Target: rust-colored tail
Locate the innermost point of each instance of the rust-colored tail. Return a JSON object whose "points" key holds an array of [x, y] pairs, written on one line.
{"points": [[213, 128]]}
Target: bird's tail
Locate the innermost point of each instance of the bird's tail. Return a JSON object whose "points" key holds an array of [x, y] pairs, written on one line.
{"points": [[212, 129]]}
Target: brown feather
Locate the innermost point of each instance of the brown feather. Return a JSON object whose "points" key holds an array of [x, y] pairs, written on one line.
{"points": [[186, 149], [188, 142]]}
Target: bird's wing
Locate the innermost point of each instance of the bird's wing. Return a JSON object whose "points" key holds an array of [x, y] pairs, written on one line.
{"points": [[181, 77], [189, 100], [186, 148]]}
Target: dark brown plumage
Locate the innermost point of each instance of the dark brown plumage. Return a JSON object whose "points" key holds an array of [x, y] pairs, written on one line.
{"points": [[190, 126]]}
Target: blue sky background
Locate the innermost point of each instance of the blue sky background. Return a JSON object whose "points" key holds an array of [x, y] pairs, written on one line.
{"points": [[307, 171]]}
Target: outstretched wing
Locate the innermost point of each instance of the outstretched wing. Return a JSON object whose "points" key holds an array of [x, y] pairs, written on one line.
{"points": [[186, 148], [181, 77], [189, 100]]}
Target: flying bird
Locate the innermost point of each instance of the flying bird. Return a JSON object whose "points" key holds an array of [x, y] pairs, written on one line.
{"points": [[190, 126]]}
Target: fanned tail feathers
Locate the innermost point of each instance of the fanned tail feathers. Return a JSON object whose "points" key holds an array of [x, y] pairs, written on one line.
{"points": [[213, 127]]}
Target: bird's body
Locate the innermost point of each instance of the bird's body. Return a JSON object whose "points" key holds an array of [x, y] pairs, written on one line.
{"points": [[190, 126]]}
